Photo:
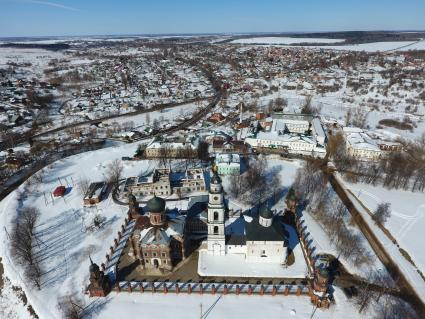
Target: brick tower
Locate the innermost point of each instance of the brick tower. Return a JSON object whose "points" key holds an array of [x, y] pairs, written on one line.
{"points": [[320, 293], [99, 283], [133, 207]]}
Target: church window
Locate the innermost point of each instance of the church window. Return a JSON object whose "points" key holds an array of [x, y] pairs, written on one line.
{"points": [[215, 215], [215, 197], [215, 229]]}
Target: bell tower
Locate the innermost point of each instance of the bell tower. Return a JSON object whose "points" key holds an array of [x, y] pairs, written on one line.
{"points": [[216, 217]]}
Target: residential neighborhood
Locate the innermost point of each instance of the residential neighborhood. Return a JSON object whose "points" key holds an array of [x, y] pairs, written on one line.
{"points": [[205, 160]]}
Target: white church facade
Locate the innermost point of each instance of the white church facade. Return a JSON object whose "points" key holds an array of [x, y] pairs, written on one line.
{"points": [[257, 239]]}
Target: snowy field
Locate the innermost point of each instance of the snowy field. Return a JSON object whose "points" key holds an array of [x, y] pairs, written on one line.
{"points": [[368, 47], [170, 306], [407, 220], [408, 269], [376, 46], [38, 58], [284, 40], [65, 241], [166, 115]]}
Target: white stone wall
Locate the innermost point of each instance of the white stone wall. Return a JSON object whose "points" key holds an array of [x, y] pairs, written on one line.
{"points": [[236, 249], [274, 251]]}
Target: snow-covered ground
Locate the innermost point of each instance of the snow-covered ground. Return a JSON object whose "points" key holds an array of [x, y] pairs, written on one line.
{"points": [[393, 250], [64, 240], [123, 305], [11, 306], [368, 47], [38, 58], [407, 220], [284, 40], [376, 46]]}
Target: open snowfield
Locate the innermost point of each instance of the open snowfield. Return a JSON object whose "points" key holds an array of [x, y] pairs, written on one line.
{"points": [[64, 241], [39, 58], [183, 306], [376, 46], [284, 40], [407, 220], [368, 47]]}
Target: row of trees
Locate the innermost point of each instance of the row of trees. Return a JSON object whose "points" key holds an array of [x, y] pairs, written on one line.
{"points": [[23, 241], [326, 207]]}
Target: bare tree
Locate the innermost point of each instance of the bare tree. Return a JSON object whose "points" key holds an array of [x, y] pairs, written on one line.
{"points": [[114, 172], [382, 213], [22, 244], [71, 307], [83, 186], [29, 218]]}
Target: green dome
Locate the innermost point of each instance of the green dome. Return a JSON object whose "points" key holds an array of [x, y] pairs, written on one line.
{"points": [[266, 212], [291, 195], [155, 205]]}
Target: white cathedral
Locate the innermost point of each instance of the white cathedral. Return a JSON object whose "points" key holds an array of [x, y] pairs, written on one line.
{"points": [[259, 239]]}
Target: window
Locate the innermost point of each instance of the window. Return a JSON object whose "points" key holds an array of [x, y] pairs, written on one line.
{"points": [[215, 215], [163, 255], [145, 254], [164, 261], [154, 254], [215, 229]]}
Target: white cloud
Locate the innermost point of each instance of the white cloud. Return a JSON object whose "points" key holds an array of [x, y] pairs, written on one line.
{"points": [[51, 4]]}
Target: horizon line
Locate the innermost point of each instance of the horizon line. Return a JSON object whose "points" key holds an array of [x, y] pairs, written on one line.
{"points": [[202, 33]]}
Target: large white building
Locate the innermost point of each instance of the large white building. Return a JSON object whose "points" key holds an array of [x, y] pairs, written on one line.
{"points": [[294, 136], [258, 239], [367, 147]]}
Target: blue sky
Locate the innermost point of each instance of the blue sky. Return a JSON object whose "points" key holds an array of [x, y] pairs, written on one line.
{"points": [[97, 17]]}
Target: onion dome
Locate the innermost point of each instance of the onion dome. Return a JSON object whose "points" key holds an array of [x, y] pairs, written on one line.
{"points": [[156, 205], [266, 213]]}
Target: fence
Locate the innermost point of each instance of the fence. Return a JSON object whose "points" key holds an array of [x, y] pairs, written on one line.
{"points": [[210, 288], [115, 251]]}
